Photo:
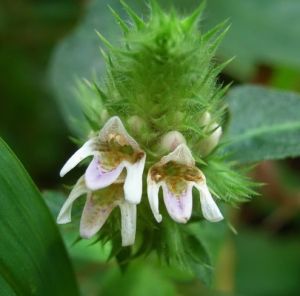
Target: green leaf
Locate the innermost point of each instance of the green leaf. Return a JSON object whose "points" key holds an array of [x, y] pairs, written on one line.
{"points": [[262, 32], [33, 260], [265, 124], [211, 236]]}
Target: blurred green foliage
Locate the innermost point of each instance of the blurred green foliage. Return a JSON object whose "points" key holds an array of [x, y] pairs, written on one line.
{"points": [[29, 118], [263, 32], [267, 265]]}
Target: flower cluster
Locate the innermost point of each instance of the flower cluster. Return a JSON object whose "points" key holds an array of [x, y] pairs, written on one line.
{"points": [[114, 151], [162, 82]]}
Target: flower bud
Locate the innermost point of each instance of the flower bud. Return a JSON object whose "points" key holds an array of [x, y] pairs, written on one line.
{"points": [[104, 115], [210, 143], [136, 123], [205, 119], [171, 140]]}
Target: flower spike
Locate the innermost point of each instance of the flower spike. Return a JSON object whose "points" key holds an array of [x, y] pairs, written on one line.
{"points": [[163, 83]]}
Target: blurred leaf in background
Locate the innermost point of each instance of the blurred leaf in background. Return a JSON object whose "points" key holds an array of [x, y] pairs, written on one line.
{"points": [[29, 118], [262, 33], [266, 265], [265, 124]]}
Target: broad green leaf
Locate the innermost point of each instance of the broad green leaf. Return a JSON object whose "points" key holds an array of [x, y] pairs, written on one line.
{"points": [[33, 260], [265, 124]]}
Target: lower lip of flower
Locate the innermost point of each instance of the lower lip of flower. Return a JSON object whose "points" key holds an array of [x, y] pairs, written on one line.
{"points": [[176, 185]]}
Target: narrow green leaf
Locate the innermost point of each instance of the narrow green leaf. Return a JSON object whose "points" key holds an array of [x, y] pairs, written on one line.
{"points": [[104, 40], [212, 32], [195, 16], [265, 124], [217, 70], [155, 7], [119, 20], [33, 260], [217, 41], [135, 18]]}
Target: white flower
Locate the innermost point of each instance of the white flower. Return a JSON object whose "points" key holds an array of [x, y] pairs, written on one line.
{"points": [[177, 174], [98, 206], [113, 149]]}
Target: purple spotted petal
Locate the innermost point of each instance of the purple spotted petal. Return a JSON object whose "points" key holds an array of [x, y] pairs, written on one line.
{"points": [[94, 216], [179, 207], [96, 177]]}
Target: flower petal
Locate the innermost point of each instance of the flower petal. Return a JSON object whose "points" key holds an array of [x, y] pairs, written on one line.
{"points": [[181, 155], [179, 207], [86, 150], [128, 223], [210, 209], [115, 126], [96, 177], [79, 189], [152, 191], [94, 216], [133, 186]]}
